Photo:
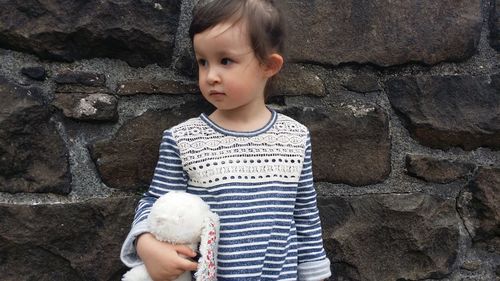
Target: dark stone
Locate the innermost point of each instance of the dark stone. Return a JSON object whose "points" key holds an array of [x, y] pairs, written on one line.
{"points": [[127, 161], [437, 170], [90, 107], [391, 236], [294, 80], [80, 89], [33, 157], [81, 78], [447, 111], [138, 32], [478, 205], [186, 63], [381, 32], [494, 22], [168, 87], [35, 72], [363, 83], [351, 144], [29, 262], [64, 241]]}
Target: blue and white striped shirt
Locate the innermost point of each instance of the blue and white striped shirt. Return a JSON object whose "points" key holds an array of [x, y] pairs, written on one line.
{"points": [[260, 184]]}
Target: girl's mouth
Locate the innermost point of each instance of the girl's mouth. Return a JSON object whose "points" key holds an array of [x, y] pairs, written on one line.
{"points": [[216, 93]]}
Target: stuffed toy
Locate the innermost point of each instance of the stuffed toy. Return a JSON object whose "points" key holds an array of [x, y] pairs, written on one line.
{"points": [[183, 218]]}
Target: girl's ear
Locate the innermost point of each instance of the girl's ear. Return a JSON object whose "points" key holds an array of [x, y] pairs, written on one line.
{"points": [[273, 64]]}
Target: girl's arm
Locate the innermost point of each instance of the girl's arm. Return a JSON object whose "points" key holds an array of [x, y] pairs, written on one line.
{"points": [[168, 176], [313, 263]]}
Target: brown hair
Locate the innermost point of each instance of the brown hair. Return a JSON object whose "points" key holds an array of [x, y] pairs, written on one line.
{"points": [[263, 19]]}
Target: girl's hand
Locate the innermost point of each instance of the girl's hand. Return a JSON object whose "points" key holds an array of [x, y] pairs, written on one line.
{"points": [[162, 260]]}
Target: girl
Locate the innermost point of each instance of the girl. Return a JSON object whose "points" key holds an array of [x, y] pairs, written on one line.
{"points": [[251, 164]]}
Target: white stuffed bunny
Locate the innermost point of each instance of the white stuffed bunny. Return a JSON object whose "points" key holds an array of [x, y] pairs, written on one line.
{"points": [[183, 218]]}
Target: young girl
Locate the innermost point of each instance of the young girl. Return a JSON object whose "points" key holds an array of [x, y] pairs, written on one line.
{"points": [[251, 164]]}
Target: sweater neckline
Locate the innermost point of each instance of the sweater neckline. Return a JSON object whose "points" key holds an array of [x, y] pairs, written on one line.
{"points": [[265, 128]]}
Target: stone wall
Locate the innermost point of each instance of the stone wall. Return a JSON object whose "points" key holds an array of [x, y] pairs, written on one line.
{"points": [[402, 99]]}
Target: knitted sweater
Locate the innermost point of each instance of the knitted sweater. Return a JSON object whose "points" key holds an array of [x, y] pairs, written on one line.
{"points": [[259, 183]]}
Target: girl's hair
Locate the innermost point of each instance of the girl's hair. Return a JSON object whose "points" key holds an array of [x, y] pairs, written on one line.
{"points": [[263, 20]]}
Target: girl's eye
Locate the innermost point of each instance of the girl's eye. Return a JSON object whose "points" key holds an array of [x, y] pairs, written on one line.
{"points": [[202, 62], [226, 61]]}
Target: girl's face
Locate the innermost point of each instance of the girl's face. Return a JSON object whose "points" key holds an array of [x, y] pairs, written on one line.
{"points": [[230, 75]]}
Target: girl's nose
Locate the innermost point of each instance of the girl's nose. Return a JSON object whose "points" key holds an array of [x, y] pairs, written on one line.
{"points": [[213, 76]]}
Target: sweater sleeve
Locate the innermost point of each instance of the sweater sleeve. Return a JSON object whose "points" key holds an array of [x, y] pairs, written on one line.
{"points": [[313, 263], [168, 176]]}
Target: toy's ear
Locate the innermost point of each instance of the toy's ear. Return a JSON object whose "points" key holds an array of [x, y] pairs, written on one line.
{"points": [[207, 264]]}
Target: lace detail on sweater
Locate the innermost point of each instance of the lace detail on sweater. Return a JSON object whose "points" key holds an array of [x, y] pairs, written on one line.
{"points": [[212, 157]]}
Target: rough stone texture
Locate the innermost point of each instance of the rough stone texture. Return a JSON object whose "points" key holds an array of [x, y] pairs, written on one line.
{"points": [[127, 161], [480, 208], [91, 107], [80, 89], [83, 96], [25, 262], [382, 32], [471, 265], [447, 111], [296, 80], [363, 83], [33, 157], [437, 170], [169, 87], [390, 237], [81, 78], [64, 241], [494, 23], [138, 32], [351, 144]]}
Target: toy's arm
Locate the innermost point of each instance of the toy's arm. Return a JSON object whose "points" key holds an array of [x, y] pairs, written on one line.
{"points": [[168, 176], [313, 263]]}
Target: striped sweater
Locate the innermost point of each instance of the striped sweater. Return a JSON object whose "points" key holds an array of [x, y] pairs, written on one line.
{"points": [[260, 184]]}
